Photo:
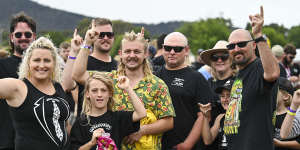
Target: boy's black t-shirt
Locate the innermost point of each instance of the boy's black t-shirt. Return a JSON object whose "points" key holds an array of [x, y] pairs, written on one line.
{"points": [[8, 69], [40, 122], [118, 124], [248, 120], [187, 88], [94, 65]]}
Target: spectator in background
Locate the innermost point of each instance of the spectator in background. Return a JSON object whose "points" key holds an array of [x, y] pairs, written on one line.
{"points": [[64, 51], [198, 63], [292, 69], [158, 59], [278, 52], [3, 53], [22, 34]]}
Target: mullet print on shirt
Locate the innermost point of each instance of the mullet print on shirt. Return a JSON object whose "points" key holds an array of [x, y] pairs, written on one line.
{"points": [[232, 121], [57, 133]]}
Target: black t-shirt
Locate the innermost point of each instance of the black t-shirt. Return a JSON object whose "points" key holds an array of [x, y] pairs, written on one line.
{"points": [[8, 69], [118, 124], [40, 122], [196, 65], [248, 120], [295, 70], [94, 65], [282, 71], [187, 88]]}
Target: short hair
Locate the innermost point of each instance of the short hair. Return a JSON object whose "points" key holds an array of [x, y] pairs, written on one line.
{"points": [[22, 17], [160, 41], [290, 49], [64, 45], [101, 22]]}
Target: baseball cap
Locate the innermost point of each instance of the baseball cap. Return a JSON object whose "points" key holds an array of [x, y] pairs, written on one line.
{"points": [[227, 85]]}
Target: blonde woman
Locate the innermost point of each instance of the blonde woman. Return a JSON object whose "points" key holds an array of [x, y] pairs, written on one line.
{"points": [[98, 119], [37, 99]]}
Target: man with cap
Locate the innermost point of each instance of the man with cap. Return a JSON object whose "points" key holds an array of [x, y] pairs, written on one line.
{"points": [[212, 131], [284, 99], [248, 119], [278, 52], [198, 63]]}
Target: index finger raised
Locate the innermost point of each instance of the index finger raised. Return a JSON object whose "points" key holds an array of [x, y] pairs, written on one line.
{"points": [[261, 11], [93, 23], [75, 33]]}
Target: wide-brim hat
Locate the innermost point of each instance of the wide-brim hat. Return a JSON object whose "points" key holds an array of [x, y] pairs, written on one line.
{"points": [[219, 47]]}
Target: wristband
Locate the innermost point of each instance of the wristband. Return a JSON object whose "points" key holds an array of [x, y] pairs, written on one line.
{"points": [[87, 47], [291, 110], [70, 57], [291, 113]]}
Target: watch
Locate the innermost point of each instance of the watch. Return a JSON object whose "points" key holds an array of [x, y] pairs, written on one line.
{"points": [[262, 38]]}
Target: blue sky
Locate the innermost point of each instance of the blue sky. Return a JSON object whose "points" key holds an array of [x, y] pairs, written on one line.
{"points": [[284, 12]]}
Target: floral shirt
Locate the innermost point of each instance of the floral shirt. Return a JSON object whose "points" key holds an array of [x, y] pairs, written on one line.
{"points": [[154, 93]]}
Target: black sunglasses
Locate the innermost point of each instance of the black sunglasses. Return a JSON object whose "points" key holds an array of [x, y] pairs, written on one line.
{"points": [[239, 44], [19, 34], [177, 49], [292, 57], [110, 35], [216, 57]]}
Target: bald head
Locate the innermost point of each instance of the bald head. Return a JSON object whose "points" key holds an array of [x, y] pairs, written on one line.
{"points": [[176, 37], [239, 35]]}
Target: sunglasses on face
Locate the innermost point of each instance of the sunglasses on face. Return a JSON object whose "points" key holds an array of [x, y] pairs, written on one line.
{"points": [[292, 57], [216, 57], [239, 44], [177, 49], [27, 34], [110, 35]]}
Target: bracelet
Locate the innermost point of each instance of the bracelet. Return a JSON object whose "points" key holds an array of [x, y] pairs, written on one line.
{"points": [[70, 57], [291, 110], [291, 113], [87, 47]]}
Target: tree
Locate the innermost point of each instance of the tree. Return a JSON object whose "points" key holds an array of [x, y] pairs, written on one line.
{"points": [[205, 33], [275, 37], [294, 35]]}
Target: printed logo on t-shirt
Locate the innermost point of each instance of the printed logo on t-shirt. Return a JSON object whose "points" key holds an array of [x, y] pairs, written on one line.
{"points": [[57, 134], [177, 82], [105, 126], [232, 121]]}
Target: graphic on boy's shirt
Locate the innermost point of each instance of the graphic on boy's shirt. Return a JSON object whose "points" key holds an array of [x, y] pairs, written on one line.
{"points": [[231, 121]]}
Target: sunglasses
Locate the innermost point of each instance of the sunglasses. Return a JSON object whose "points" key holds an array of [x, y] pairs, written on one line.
{"points": [[177, 49], [110, 35], [216, 57], [27, 34], [239, 44], [292, 57]]}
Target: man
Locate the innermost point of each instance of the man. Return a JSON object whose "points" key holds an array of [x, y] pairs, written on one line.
{"points": [[292, 70], [248, 119], [198, 63], [187, 88], [149, 88], [278, 52], [158, 59], [22, 33], [64, 50]]}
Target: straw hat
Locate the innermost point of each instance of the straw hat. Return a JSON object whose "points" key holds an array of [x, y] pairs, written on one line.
{"points": [[219, 47]]}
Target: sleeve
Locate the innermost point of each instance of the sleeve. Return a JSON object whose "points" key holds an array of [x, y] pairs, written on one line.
{"points": [[127, 126], [164, 105], [77, 139]]}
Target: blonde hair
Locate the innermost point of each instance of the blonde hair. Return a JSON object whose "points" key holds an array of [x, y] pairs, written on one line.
{"points": [[135, 37], [42, 43], [104, 78]]}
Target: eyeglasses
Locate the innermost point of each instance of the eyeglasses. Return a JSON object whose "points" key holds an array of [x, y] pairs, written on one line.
{"points": [[239, 44], [110, 35], [27, 34], [216, 57], [177, 49]]}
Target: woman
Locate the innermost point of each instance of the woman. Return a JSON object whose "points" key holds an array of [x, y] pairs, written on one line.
{"points": [[37, 100], [97, 118]]}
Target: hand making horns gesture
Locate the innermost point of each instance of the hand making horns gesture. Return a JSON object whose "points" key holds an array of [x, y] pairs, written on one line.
{"points": [[257, 22], [91, 35]]}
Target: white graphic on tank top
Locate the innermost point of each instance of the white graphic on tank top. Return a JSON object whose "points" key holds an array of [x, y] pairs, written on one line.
{"points": [[40, 114], [177, 82]]}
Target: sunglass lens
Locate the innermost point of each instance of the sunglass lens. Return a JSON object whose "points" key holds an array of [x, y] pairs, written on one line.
{"points": [[28, 34], [242, 44], [230, 46], [168, 48], [178, 49], [108, 34], [18, 34]]}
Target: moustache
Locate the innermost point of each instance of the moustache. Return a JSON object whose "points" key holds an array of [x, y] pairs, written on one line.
{"points": [[237, 53], [24, 41], [105, 41]]}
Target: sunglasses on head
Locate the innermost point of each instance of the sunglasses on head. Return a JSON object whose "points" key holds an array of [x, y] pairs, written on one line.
{"points": [[110, 35], [216, 57], [27, 34], [177, 49], [239, 44]]}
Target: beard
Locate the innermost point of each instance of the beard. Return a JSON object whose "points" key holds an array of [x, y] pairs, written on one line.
{"points": [[242, 62], [285, 62], [18, 49]]}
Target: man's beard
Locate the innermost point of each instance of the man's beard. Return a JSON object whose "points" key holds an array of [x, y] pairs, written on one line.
{"points": [[19, 50]]}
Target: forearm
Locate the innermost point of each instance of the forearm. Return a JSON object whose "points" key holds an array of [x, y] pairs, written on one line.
{"points": [[158, 127], [289, 144], [86, 146], [287, 124], [139, 109], [206, 134], [67, 81], [80, 66]]}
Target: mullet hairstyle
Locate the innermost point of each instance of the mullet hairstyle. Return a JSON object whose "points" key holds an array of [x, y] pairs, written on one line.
{"points": [[87, 105], [42, 43], [130, 37]]}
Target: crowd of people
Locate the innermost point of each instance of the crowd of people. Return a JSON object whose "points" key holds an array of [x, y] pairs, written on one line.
{"points": [[238, 95]]}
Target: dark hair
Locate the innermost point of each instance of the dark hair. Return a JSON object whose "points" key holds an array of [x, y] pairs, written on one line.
{"points": [[290, 49], [101, 22], [160, 40]]}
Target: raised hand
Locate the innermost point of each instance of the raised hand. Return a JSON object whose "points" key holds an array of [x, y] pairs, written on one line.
{"points": [[257, 22], [91, 35], [296, 98], [205, 109], [123, 83], [97, 133], [76, 42]]}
